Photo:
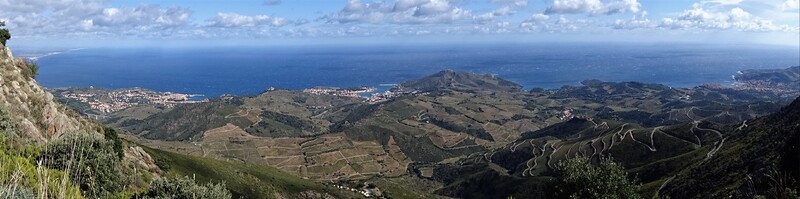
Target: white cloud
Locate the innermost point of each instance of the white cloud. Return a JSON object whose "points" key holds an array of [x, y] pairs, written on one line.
{"points": [[401, 12], [790, 5], [593, 7], [534, 20], [61, 19], [505, 8], [512, 3], [230, 20], [735, 19], [725, 2], [88, 18], [638, 21], [544, 23], [143, 16]]}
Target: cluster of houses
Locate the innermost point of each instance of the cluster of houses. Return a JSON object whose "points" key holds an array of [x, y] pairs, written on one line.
{"points": [[112, 101], [366, 190], [352, 92]]}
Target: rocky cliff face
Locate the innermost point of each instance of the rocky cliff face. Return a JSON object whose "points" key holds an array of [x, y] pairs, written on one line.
{"points": [[39, 116]]}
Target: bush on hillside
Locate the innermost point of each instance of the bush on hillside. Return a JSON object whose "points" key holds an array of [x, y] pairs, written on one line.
{"points": [[579, 178], [33, 69], [90, 161], [184, 187], [21, 178], [111, 135], [4, 34], [7, 125]]}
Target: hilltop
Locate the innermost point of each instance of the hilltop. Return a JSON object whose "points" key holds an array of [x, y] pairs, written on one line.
{"points": [[454, 80]]}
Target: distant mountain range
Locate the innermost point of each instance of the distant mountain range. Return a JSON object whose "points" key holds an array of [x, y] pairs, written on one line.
{"points": [[452, 131]]}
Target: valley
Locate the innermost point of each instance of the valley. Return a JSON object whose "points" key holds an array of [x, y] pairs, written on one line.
{"points": [[451, 119]]}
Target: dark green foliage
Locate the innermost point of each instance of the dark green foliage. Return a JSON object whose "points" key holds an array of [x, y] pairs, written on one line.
{"points": [[354, 115], [776, 184], [111, 135], [750, 154], [276, 124], [184, 187], [184, 122], [33, 69], [4, 34], [7, 125], [579, 178], [560, 130], [90, 161], [478, 180], [455, 127]]}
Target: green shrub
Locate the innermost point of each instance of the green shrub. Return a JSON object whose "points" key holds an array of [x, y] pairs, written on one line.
{"points": [[21, 178], [33, 69], [4, 34], [111, 135], [90, 161], [579, 178], [8, 127], [184, 187]]}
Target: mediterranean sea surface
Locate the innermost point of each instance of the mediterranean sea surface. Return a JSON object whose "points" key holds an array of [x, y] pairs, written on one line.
{"points": [[213, 71]]}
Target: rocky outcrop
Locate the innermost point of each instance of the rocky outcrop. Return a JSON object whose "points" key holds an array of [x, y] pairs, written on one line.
{"points": [[140, 158], [39, 116]]}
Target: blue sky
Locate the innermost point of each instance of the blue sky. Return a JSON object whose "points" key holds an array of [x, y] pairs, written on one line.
{"points": [[288, 22]]}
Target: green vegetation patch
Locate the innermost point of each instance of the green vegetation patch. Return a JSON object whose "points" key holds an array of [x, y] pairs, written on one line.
{"points": [[21, 178], [243, 180]]}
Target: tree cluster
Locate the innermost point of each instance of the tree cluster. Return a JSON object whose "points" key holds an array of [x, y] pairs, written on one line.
{"points": [[89, 159], [184, 187], [4, 34], [579, 178]]}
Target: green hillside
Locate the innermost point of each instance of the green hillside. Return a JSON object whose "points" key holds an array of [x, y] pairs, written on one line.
{"points": [[244, 180]]}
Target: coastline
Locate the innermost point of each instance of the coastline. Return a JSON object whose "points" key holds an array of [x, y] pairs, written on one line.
{"points": [[370, 91], [239, 71]]}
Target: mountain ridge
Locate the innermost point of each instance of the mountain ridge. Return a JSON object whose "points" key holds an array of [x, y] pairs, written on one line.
{"points": [[450, 79]]}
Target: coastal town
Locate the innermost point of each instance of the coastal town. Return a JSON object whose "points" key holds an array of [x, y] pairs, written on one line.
{"points": [[366, 189], [390, 94], [345, 92], [358, 92], [107, 101], [99, 101]]}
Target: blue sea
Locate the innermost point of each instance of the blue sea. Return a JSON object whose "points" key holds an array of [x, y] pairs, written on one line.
{"points": [[213, 71]]}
